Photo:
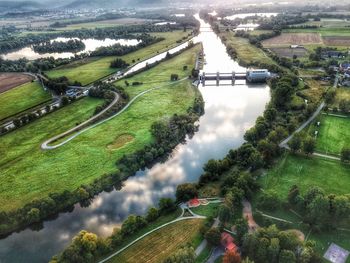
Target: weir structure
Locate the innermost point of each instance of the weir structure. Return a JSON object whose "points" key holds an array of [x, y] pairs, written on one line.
{"points": [[252, 76]]}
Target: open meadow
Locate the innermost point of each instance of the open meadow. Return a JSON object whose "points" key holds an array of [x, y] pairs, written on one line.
{"points": [[306, 172], [161, 244], [91, 70], [91, 154], [21, 98], [333, 134]]}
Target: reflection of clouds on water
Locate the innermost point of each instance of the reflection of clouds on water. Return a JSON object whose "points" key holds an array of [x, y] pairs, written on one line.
{"points": [[229, 112]]}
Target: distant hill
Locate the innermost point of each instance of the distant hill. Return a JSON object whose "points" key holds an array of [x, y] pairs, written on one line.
{"points": [[90, 4], [19, 5]]}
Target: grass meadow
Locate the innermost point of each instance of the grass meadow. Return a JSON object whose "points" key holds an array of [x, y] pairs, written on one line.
{"points": [[333, 134], [306, 172], [28, 172], [96, 69], [22, 98]]}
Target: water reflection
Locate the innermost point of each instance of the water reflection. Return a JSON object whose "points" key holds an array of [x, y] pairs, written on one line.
{"points": [[91, 44], [233, 17], [229, 112]]}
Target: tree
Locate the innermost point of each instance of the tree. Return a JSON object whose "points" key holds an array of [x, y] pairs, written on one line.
{"points": [[269, 200], [344, 105], [185, 192], [152, 214], [64, 100], [287, 256], [295, 143], [231, 256], [241, 226], [345, 154], [119, 63], [225, 213], [33, 216], [309, 145], [174, 77], [183, 255], [213, 236], [166, 205]]}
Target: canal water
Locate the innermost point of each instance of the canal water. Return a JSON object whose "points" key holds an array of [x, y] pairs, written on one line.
{"points": [[229, 112]]}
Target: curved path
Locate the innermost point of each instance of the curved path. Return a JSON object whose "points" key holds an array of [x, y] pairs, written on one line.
{"points": [[284, 144], [45, 145]]}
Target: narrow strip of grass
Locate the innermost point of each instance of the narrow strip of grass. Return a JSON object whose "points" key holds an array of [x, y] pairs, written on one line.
{"points": [[21, 98], [161, 244]]}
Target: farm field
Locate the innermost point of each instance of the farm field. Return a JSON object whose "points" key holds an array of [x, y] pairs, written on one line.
{"points": [[329, 23], [324, 32], [92, 71], [286, 39], [333, 134], [245, 51], [341, 94], [22, 98], [12, 80], [54, 168], [289, 52], [159, 245], [306, 172]]}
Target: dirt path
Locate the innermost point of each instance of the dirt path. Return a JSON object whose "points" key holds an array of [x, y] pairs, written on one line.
{"points": [[248, 214]]}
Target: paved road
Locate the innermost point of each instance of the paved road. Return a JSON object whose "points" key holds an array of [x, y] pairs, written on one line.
{"points": [[284, 143]]}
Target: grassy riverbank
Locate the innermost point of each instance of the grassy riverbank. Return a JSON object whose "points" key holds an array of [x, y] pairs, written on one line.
{"points": [[21, 98], [91, 70], [91, 154]]}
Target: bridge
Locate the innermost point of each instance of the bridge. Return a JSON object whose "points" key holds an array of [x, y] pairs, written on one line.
{"points": [[256, 76]]}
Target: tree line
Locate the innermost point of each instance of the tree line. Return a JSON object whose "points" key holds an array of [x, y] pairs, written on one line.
{"points": [[72, 45]]}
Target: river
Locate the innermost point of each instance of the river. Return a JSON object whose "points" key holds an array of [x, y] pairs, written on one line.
{"points": [[229, 112]]}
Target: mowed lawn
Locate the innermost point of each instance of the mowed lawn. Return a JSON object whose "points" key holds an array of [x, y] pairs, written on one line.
{"points": [[92, 71], [21, 98], [28, 172], [332, 176], [333, 134], [159, 245]]}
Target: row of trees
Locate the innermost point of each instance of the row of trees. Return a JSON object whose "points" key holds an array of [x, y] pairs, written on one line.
{"points": [[72, 45], [320, 211], [271, 245], [301, 141]]}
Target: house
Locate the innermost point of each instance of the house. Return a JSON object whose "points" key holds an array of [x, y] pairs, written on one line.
{"points": [[227, 242], [345, 66], [332, 54], [193, 202]]}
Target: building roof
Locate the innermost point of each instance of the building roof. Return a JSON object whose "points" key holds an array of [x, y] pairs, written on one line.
{"points": [[193, 202], [227, 241]]}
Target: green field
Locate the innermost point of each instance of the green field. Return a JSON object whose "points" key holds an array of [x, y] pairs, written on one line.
{"points": [[324, 31], [96, 69], [332, 176], [90, 155], [159, 245], [329, 23], [333, 134], [21, 98], [207, 210], [245, 51]]}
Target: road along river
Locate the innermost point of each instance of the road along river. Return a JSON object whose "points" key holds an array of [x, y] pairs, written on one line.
{"points": [[229, 112]]}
